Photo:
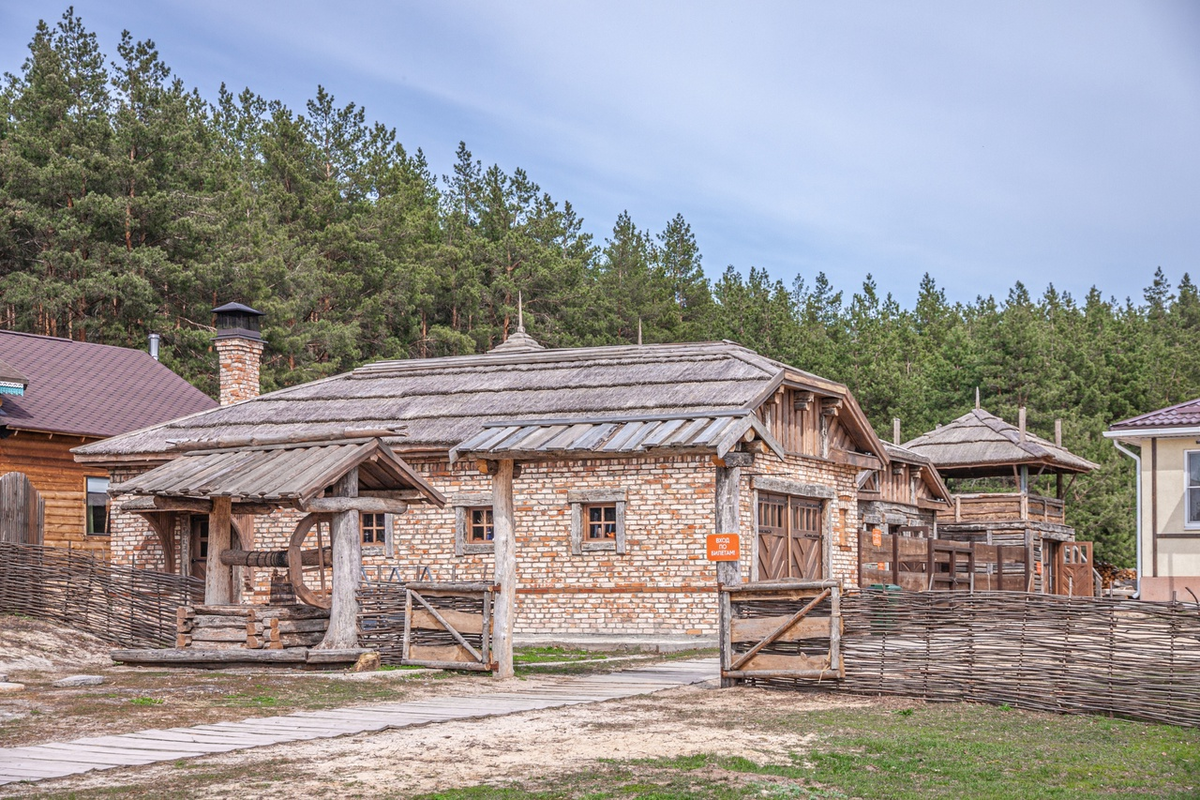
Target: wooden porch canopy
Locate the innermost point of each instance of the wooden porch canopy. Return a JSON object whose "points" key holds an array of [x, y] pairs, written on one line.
{"points": [[713, 432], [259, 478]]}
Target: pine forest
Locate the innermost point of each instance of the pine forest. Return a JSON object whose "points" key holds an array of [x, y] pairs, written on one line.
{"points": [[132, 205]]}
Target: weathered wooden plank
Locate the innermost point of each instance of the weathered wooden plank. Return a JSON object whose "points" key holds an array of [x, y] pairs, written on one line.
{"points": [[462, 621], [786, 663], [753, 629], [450, 653]]}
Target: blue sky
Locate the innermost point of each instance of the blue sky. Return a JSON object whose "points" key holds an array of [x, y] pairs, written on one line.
{"points": [[982, 143]]}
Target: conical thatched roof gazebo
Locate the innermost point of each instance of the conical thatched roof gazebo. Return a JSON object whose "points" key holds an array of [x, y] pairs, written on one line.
{"points": [[980, 444]]}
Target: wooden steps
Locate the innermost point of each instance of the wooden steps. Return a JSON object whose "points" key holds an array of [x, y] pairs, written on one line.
{"points": [[59, 759]]}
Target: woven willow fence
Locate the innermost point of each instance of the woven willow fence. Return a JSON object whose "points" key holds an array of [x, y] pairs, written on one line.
{"points": [[1072, 655], [122, 605]]}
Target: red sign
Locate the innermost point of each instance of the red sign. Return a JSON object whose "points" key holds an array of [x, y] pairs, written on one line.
{"points": [[724, 547]]}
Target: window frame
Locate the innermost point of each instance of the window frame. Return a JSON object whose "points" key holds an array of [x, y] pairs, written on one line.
{"points": [[463, 506], [383, 529], [580, 502], [1188, 488], [88, 506]]}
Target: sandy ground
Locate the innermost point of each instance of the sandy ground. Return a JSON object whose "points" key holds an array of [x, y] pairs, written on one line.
{"points": [[531, 746], [33, 645]]}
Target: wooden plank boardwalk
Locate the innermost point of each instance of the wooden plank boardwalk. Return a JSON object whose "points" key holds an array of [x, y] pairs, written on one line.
{"points": [[59, 759]]}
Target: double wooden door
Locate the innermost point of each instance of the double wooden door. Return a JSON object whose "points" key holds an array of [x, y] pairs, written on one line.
{"points": [[789, 538]]}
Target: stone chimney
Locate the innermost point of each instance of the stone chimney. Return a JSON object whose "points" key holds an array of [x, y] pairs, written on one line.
{"points": [[239, 346]]}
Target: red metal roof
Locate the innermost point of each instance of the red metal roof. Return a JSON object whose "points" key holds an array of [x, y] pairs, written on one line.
{"points": [[1186, 414], [91, 389]]}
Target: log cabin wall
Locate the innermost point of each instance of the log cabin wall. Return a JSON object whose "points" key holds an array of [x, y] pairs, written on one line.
{"points": [[47, 460]]}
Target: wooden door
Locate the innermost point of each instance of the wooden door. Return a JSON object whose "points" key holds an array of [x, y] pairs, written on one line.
{"points": [[789, 538], [1073, 569], [22, 510]]}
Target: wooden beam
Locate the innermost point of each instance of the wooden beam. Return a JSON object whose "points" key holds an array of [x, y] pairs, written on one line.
{"points": [[361, 505], [862, 460], [218, 579], [505, 569], [347, 568], [392, 494], [197, 505], [729, 573], [802, 400]]}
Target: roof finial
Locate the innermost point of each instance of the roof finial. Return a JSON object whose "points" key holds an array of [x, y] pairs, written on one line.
{"points": [[639, 331], [520, 313], [976, 397]]}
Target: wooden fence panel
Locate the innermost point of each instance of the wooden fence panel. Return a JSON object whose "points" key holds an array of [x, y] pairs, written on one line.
{"points": [[399, 621], [22, 510]]}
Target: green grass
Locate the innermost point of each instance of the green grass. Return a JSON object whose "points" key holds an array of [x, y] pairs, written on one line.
{"points": [[541, 655], [930, 751], [147, 701]]}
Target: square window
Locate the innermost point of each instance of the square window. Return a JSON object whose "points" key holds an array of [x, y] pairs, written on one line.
{"points": [[597, 521], [482, 527], [374, 528], [602, 521]]}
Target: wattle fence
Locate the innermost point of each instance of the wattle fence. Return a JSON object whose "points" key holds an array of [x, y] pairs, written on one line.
{"points": [[1045, 652], [123, 605]]}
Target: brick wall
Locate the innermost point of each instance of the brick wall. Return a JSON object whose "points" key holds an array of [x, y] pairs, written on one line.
{"points": [[239, 360], [661, 585]]}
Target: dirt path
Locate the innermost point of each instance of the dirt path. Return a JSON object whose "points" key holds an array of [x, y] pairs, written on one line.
{"points": [[537, 745]]}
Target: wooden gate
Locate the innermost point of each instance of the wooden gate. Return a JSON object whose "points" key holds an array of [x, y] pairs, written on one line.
{"points": [[789, 538], [1073, 569], [782, 629], [445, 625], [22, 510]]}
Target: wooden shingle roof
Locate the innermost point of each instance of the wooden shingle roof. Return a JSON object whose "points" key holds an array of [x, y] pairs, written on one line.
{"points": [[279, 473], [442, 402], [979, 444]]}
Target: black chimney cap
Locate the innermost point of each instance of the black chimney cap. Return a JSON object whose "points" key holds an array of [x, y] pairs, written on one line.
{"points": [[237, 320]]}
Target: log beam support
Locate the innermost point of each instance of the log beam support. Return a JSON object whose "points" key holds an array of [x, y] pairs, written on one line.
{"points": [[504, 541], [729, 573], [347, 568], [218, 579]]}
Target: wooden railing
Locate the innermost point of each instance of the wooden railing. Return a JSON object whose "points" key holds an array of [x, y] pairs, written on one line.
{"points": [[999, 507], [919, 564]]}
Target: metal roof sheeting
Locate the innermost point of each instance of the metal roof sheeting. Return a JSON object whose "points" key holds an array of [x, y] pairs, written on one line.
{"points": [[1186, 415], [610, 437]]}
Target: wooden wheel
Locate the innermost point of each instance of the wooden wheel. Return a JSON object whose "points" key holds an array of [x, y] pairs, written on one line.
{"points": [[310, 560]]}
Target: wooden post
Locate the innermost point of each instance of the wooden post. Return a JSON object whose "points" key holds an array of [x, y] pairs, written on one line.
{"points": [[729, 573], [896, 430], [504, 545], [345, 532], [218, 577]]}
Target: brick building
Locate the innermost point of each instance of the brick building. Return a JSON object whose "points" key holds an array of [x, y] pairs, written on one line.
{"points": [[617, 453]]}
